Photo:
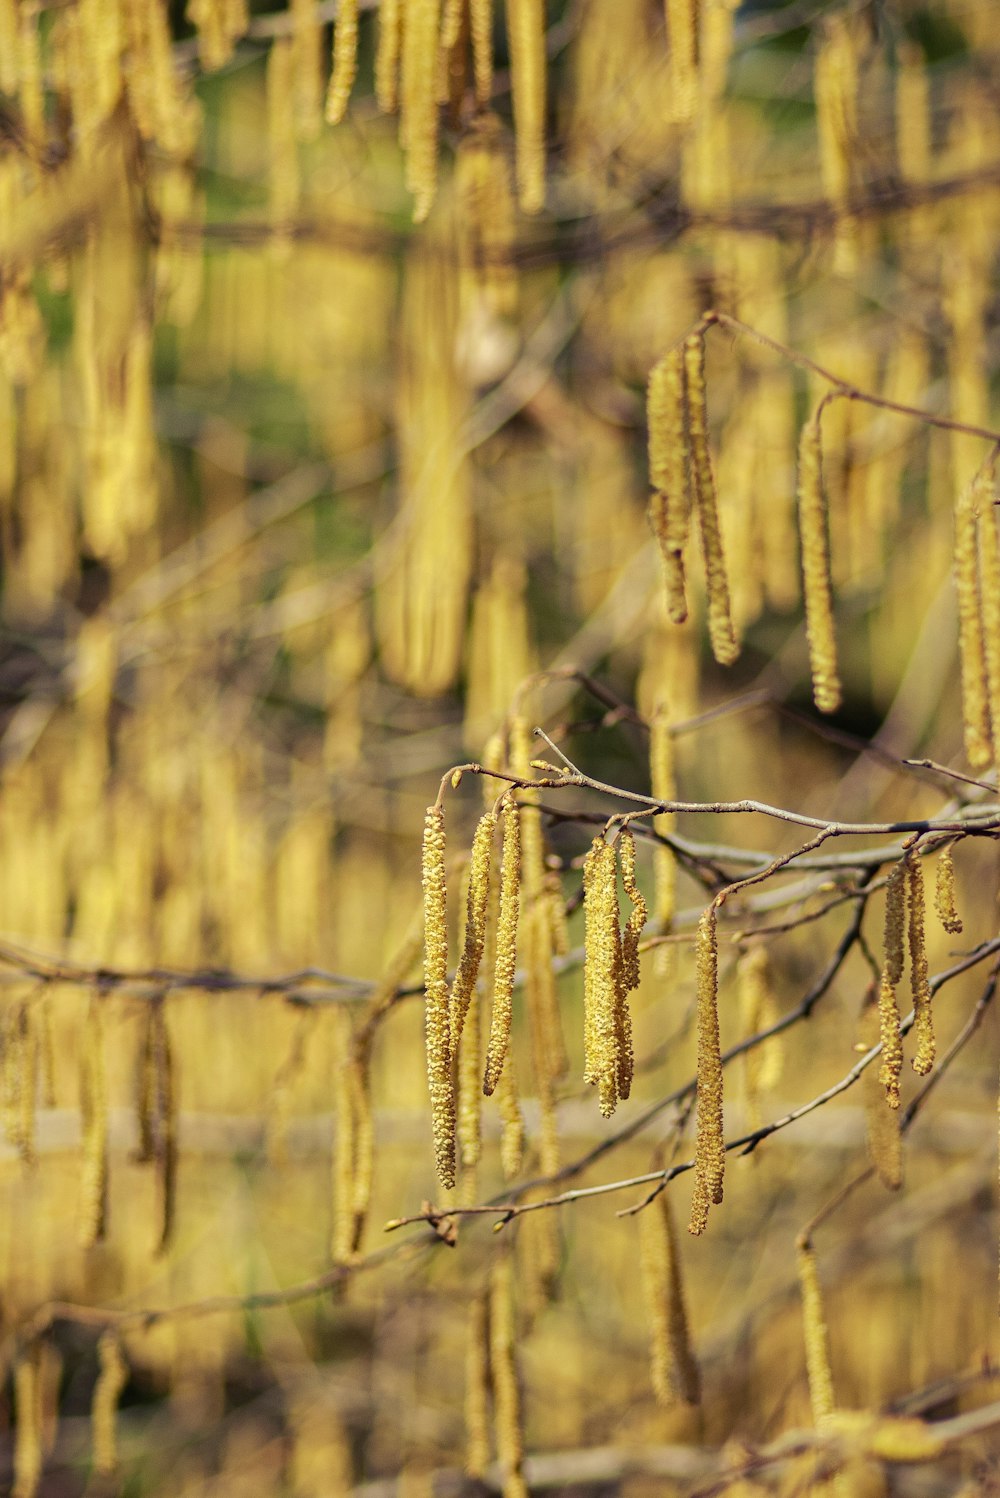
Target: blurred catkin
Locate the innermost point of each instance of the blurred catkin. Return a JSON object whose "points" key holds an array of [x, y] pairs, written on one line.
{"points": [[670, 473], [28, 1432], [345, 60], [437, 1022], [817, 586], [477, 1388], [387, 54], [710, 1150], [111, 1380], [419, 117], [882, 1131], [675, 1373], [725, 646], [816, 1335], [481, 18], [975, 690], [762, 1064], [526, 39], [506, 1383], [506, 946]]}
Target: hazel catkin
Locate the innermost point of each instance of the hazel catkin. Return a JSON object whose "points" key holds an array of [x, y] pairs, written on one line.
{"points": [[639, 912], [817, 586], [923, 1021], [111, 1380], [436, 1017], [944, 892], [506, 946], [892, 971], [971, 643], [670, 473], [710, 1149], [475, 924], [675, 1374], [817, 1340], [345, 60], [725, 646]]}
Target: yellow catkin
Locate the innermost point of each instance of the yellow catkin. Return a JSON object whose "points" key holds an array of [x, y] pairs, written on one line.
{"points": [[836, 95], [481, 17], [506, 1385], [882, 1131], [477, 1388], [475, 925], [989, 566], [526, 38], [512, 1123], [710, 1152], [892, 971], [558, 921], [607, 1028], [470, 1071], [972, 649], [923, 1020], [437, 1022], [419, 121], [758, 1010], [817, 586], [682, 26], [944, 892], [94, 1109], [675, 1374], [28, 1435], [506, 946], [725, 646], [387, 53], [345, 61], [670, 473], [637, 918], [111, 1380], [486, 228], [816, 1336]]}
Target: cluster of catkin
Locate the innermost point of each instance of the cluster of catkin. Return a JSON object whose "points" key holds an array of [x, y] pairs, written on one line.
{"points": [[611, 968], [682, 481], [904, 926], [977, 583]]}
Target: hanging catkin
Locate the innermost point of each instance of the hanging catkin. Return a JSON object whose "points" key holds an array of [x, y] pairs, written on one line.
{"points": [[111, 1380], [710, 1150], [944, 892], [512, 1123], [506, 946], [506, 1386], [526, 39], [892, 971], [674, 1370], [815, 1333], [817, 586], [682, 25], [989, 566], [725, 647], [481, 16], [606, 1061], [94, 1110], [345, 60], [882, 1131], [477, 1388], [836, 93], [923, 1020], [419, 118], [387, 52], [639, 913], [975, 690], [437, 1023], [475, 925], [28, 1435], [670, 473]]}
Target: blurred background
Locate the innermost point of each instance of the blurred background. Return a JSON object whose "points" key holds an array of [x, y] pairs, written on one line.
{"points": [[301, 502]]}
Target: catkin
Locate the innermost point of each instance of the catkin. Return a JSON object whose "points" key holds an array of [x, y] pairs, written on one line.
{"points": [[817, 585], [758, 1010], [470, 1072], [28, 1435], [892, 971], [94, 1108], [477, 1389], [345, 60], [607, 1030], [816, 1336], [882, 1131], [481, 16], [526, 39], [419, 119], [989, 566], [637, 918], [670, 473], [675, 1374], [512, 1124], [923, 1020], [506, 1386], [436, 1017], [506, 946], [475, 925], [111, 1380], [682, 22], [710, 1150], [387, 51], [972, 650], [944, 892], [725, 647]]}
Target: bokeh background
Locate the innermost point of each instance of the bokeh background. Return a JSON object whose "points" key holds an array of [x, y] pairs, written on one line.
{"points": [[296, 496]]}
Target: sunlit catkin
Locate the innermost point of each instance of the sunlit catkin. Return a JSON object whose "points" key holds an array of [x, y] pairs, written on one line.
{"points": [[387, 53], [419, 121], [923, 1021], [815, 1332], [710, 1150], [28, 1434], [477, 1388], [345, 60], [437, 1023], [675, 1374], [670, 473], [972, 652], [526, 38], [637, 918], [481, 17], [111, 1380], [475, 924], [944, 892], [606, 1062], [506, 946], [882, 1131], [725, 647], [892, 971], [817, 586], [506, 1385]]}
